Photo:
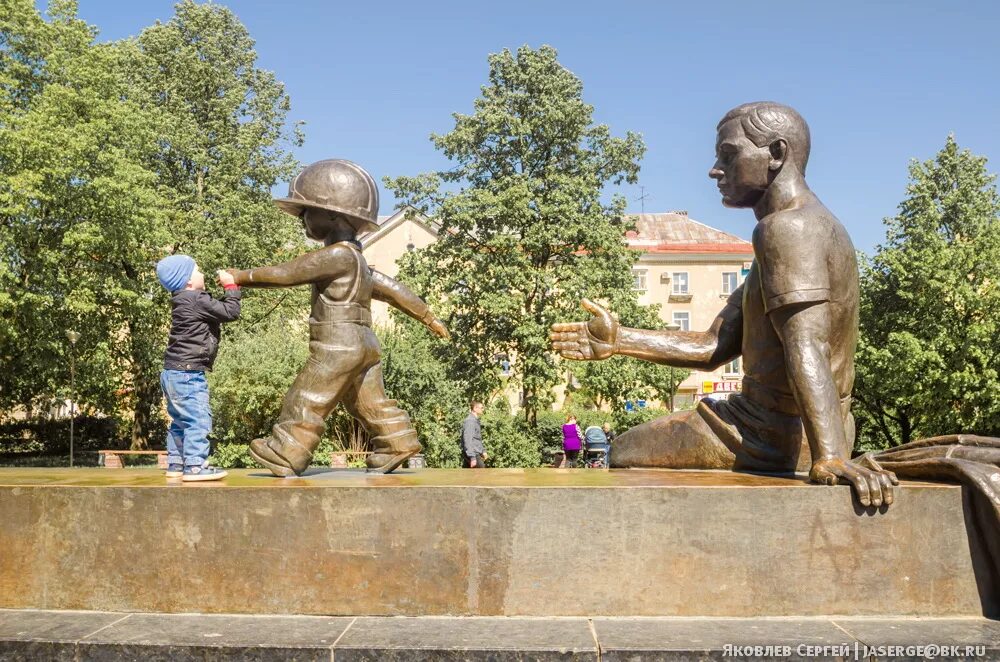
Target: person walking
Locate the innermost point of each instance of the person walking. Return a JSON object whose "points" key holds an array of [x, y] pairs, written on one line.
{"points": [[473, 452], [571, 441]]}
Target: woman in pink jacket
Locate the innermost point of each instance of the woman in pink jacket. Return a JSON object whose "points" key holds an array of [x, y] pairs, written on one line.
{"points": [[571, 440]]}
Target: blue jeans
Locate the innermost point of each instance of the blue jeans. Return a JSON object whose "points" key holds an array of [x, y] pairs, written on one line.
{"points": [[190, 416]]}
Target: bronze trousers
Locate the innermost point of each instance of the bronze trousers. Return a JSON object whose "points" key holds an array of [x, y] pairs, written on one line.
{"points": [[343, 367]]}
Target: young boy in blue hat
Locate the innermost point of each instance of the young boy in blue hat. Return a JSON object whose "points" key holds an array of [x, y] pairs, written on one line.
{"points": [[195, 323]]}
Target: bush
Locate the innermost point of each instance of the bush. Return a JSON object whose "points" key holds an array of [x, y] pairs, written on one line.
{"points": [[508, 440], [251, 375], [624, 420], [232, 456], [52, 435]]}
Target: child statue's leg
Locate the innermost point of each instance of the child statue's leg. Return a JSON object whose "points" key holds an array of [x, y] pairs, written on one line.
{"points": [[393, 437], [317, 389]]}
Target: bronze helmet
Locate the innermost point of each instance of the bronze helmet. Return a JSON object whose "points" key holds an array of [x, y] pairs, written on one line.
{"points": [[336, 185]]}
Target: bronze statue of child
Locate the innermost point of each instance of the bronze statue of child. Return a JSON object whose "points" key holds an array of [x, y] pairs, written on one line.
{"points": [[336, 200]]}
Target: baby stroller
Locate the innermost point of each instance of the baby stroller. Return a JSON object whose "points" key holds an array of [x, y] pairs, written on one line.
{"points": [[597, 448]]}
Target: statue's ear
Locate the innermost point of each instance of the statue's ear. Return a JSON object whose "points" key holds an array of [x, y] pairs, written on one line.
{"points": [[779, 152]]}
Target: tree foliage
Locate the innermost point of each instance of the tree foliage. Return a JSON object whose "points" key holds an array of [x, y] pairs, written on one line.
{"points": [[524, 231], [420, 382], [111, 156], [929, 350]]}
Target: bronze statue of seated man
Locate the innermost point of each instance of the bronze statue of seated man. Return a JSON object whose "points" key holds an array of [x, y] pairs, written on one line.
{"points": [[794, 321]]}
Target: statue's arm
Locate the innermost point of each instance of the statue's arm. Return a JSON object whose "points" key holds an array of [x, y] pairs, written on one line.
{"points": [[400, 296], [804, 331], [322, 264], [700, 350]]}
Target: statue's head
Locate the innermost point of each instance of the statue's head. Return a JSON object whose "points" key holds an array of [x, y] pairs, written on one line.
{"points": [[756, 142], [329, 190]]}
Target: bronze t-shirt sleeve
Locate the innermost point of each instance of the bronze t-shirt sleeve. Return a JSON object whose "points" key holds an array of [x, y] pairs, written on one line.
{"points": [[793, 262]]}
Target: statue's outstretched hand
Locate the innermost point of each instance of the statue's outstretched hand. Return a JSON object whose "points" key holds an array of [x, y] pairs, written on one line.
{"points": [[874, 488], [594, 340], [438, 328]]}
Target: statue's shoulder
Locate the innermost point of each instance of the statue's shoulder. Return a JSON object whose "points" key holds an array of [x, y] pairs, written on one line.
{"points": [[799, 225], [342, 250]]}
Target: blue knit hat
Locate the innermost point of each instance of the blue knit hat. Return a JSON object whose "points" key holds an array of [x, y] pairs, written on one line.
{"points": [[175, 271]]}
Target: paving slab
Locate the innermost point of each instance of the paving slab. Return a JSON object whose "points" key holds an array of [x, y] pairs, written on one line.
{"points": [[926, 638], [52, 625], [214, 636], [101, 637], [654, 639], [481, 639], [29, 635]]}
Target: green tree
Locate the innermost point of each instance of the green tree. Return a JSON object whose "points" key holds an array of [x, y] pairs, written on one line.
{"points": [[79, 208], [524, 232], [112, 156], [929, 350], [253, 371], [222, 147]]}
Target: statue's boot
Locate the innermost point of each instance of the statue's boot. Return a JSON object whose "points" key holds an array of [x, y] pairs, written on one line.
{"points": [[282, 454], [391, 451], [393, 438]]}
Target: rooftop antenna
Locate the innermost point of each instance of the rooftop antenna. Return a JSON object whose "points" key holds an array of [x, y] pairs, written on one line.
{"points": [[642, 199]]}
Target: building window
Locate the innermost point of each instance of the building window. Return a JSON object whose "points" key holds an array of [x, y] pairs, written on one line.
{"points": [[683, 320], [680, 282], [733, 367], [729, 282], [639, 280]]}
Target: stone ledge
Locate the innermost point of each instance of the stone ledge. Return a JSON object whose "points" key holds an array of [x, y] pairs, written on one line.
{"points": [[83, 636], [483, 543]]}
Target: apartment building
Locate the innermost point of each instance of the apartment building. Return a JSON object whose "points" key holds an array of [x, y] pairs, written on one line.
{"points": [[690, 269]]}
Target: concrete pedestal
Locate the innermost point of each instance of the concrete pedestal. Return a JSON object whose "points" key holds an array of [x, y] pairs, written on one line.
{"points": [[543, 542]]}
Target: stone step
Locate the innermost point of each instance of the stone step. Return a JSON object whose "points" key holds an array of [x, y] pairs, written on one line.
{"points": [[83, 636]]}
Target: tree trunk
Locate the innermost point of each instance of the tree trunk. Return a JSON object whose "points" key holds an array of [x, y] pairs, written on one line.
{"points": [[905, 429], [147, 399]]}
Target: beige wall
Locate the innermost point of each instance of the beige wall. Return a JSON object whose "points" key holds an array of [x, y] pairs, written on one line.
{"points": [[704, 300]]}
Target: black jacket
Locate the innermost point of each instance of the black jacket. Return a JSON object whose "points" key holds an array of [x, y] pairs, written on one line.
{"points": [[194, 328]]}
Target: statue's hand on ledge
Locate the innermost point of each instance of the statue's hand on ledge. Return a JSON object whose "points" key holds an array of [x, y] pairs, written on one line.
{"points": [[587, 341], [873, 488]]}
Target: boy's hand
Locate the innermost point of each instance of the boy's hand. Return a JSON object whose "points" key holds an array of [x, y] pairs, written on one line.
{"points": [[224, 278]]}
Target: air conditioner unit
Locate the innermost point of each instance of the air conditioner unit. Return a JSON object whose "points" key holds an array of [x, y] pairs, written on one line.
{"points": [[664, 278]]}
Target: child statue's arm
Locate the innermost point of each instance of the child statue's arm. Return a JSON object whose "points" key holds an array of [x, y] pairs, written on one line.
{"points": [[321, 264], [400, 296]]}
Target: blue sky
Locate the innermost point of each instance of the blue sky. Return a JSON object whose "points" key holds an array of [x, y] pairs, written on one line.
{"points": [[880, 83]]}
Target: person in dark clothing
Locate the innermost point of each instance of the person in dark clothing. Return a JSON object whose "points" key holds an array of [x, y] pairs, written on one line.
{"points": [[473, 451], [195, 323]]}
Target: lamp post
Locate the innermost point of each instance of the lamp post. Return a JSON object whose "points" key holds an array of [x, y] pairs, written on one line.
{"points": [[72, 336], [672, 326]]}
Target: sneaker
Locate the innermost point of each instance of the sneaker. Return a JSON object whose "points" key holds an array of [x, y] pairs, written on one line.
{"points": [[202, 473], [175, 471]]}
